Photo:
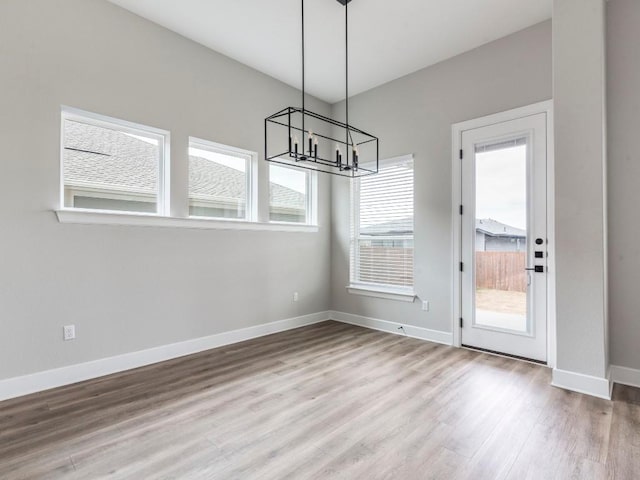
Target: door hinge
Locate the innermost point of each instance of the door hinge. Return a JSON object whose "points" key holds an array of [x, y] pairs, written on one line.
{"points": [[461, 323], [461, 267], [461, 209], [461, 154]]}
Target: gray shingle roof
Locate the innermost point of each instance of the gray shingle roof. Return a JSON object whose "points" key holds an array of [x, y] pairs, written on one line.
{"points": [[96, 156], [399, 226], [405, 225], [102, 158], [282, 196], [211, 179], [497, 229]]}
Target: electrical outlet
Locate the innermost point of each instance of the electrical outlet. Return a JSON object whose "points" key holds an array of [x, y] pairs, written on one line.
{"points": [[295, 296], [425, 305], [69, 332]]}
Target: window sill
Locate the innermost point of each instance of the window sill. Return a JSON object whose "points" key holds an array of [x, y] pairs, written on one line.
{"points": [[388, 294], [92, 217]]}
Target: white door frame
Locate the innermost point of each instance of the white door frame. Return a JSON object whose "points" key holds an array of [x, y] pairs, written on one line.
{"points": [[457, 129]]}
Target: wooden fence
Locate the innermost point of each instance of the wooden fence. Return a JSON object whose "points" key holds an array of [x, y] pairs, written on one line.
{"points": [[394, 266], [388, 265], [501, 271]]}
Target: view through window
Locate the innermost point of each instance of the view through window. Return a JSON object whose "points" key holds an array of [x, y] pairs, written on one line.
{"points": [[219, 181], [109, 167], [382, 227], [501, 235], [288, 194]]}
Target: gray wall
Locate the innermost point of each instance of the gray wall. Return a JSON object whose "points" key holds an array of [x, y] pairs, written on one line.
{"points": [[131, 288], [580, 185], [623, 90], [414, 114]]}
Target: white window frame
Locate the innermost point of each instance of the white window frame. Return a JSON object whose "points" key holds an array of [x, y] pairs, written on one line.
{"points": [[258, 206], [251, 212], [547, 107], [164, 148], [311, 200], [389, 292]]}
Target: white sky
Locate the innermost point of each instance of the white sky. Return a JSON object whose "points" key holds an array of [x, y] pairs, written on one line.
{"points": [[501, 186]]}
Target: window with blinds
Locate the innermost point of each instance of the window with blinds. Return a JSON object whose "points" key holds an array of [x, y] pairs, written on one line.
{"points": [[382, 227]]}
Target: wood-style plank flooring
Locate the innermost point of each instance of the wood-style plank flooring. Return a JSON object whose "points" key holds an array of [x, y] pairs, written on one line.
{"points": [[329, 401]]}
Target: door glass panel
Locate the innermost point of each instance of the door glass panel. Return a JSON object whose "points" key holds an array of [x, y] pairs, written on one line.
{"points": [[501, 282]]}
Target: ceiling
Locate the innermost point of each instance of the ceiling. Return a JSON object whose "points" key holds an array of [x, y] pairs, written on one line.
{"points": [[387, 39]]}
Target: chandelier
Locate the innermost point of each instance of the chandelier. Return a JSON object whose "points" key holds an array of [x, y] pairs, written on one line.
{"points": [[298, 137]]}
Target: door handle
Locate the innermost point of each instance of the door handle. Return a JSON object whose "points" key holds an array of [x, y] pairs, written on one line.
{"points": [[537, 268]]}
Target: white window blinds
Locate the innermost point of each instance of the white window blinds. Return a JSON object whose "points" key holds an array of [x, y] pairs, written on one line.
{"points": [[382, 227]]}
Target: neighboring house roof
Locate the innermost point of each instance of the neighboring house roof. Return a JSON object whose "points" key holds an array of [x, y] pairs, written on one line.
{"points": [[397, 226], [282, 196], [211, 179], [487, 226], [494, 228], [101, 158]]}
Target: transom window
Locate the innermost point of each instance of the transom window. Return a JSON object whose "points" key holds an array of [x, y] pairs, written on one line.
{"points": [[220, 181], [290, 194], [382, 227], [110, 164], [118, 172]]}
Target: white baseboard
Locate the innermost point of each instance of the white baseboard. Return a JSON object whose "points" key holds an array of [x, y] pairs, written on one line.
{"points": [[625, 376], [36, 382], [437, 336], [578, 382]]}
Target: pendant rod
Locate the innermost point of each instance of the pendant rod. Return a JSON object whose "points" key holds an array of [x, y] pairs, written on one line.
{"points": [[302, 2], [346, 72]]}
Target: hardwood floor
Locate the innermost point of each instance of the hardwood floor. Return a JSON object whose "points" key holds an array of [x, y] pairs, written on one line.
{"points": [[329, 401]]}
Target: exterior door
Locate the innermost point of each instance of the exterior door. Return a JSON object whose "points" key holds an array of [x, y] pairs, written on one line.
{"points": [[504, 237]]}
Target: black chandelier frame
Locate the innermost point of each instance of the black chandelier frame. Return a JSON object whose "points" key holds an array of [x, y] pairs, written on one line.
{"points": [[308, 155]]}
